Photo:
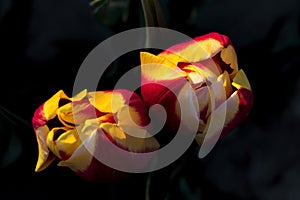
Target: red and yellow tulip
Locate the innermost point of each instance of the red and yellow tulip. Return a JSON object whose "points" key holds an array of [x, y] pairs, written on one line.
{"points": [[209, 64], [65, 126]]}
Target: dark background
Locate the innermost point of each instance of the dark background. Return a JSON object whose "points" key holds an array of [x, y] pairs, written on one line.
{"points": [[43, 43]]}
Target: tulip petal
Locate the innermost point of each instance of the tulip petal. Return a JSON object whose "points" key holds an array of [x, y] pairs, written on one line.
{"points": [[77, 112], [48, 110], [155, 68], [200, 48], [39, 118], [160, 78], [137, 109], [227, 83], [106, 101], [203, 97], [84, 161], [241, 80], [217, 94], [229, 57], [131, 120], [205, 73], [217, 109], [128, 142], [115, 101], [237, 108], [81, 157], [51, 106], [63, 142], [189, 108], [45, 157]]}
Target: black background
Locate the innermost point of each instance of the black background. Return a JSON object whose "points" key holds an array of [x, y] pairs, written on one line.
{"points": [[43, 43]]}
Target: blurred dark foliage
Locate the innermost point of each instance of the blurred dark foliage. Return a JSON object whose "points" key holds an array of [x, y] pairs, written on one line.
{"points": [[43, 44]]}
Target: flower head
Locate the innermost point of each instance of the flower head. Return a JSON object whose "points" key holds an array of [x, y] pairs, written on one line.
{"points": [[73, 129], [209, 64]]}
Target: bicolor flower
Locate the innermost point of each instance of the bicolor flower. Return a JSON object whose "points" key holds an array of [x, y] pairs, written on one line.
{"points": [[209, 65], [72, 130]]}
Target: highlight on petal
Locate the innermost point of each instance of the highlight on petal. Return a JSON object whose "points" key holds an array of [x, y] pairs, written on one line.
{"points": [[106, 101], [200, 48], [205, 73], [188, 107], [155, 68]]}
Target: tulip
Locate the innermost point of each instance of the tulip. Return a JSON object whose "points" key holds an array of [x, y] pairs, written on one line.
{"points": [[73, 129], [209, 65]]}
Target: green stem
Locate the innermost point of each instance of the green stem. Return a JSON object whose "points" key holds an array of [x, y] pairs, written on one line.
{"points": [[148, 17], [159, 14], [153, 16], [148, 185]]}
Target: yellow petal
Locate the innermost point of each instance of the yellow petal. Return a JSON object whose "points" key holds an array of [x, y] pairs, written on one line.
{"points": [[130, 119], [226, 83], [241, 80], [156, 68], [192, 51], [82, 156], [228, 56], [45, 157], [106, 101], [128, 142], [81, 95], [51, 106], [202, 71], [76, 112], [65, 144]]}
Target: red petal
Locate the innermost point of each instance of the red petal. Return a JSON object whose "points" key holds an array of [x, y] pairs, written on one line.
{"points": [[39, 118]]}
